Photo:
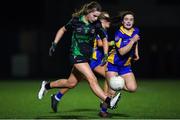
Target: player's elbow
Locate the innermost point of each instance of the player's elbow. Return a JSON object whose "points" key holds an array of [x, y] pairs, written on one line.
{"points": [[62, 29]]}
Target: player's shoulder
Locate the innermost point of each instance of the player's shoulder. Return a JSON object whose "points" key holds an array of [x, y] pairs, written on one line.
{"points": [[75, 19], [118, 32]]}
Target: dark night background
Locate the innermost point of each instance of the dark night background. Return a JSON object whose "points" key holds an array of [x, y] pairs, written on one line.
{"points": [[27, 29]]}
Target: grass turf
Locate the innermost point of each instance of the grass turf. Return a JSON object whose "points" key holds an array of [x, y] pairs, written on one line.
{"points": [[153, 99]]}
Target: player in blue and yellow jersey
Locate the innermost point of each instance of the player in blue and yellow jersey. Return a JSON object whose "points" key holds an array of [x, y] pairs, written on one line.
{"points": [[126, 50], [98, 54], [85, 26]]}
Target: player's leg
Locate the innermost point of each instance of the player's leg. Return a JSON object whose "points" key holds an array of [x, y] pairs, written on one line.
{"points": [[101, 71], [60, 93], [112, 70], [85, 69], [64, 83], [103, 111], [96, 67], [56, 98], [60, 83], [45, 86], [109, 75], [130, 82]]}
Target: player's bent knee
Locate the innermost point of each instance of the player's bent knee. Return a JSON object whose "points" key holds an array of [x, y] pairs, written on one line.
{"points": [[72, 85], [132, 88]]}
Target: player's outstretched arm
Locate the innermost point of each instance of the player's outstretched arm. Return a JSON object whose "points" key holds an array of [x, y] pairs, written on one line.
{"points": [[58, 36]]}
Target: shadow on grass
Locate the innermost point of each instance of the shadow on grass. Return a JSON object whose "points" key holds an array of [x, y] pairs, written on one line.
{"points": [[119, 115], [97, 111], [62, 117], [71, 114], [80, 114], [83, 110]]}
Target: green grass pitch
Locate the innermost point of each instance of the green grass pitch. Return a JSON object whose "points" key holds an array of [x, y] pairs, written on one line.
{"points": [[153, 99]]}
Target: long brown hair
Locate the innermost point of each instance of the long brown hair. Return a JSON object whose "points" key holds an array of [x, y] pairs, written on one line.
{"points": [[87, 8], [117, 20]]}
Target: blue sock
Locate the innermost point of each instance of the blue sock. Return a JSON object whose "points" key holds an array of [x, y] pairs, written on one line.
{"points": [[58, 96], [103, 109]]}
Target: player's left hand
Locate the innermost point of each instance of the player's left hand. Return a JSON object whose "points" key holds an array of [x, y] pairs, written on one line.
{"points": [[52, 49], [104, 60], [136, 58]]}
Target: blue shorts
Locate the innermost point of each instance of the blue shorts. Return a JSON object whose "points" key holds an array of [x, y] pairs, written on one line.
{"points": [[121, 70], [94, 63]]}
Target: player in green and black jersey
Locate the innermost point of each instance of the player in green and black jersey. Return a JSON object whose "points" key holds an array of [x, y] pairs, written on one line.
{"points": [[84, 26]]}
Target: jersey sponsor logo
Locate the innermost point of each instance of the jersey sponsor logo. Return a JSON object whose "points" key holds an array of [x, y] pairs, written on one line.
{"points": [[79, 60], [86, 30], [125, 40], [92, 31], [79, 29]]}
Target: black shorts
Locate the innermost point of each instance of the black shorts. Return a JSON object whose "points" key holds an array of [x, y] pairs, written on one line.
{"points": [[78, 59]]}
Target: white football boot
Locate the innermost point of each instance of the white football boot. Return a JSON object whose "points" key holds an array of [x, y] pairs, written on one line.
{"points": [[42, 91], [115, 100]]}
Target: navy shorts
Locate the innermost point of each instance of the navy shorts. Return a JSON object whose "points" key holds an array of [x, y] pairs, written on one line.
{"points": [[94, 63], [121, 70]]}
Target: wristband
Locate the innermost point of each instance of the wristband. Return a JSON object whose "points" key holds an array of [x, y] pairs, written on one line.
{"points": [[54, 44]]}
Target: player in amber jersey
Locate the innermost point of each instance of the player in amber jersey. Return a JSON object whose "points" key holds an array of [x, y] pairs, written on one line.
{"points": [[126, 50]]}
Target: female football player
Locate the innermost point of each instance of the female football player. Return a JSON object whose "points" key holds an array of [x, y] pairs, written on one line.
{"points": [[84, 26], [98, 55], [95, 62], [126, 50]]}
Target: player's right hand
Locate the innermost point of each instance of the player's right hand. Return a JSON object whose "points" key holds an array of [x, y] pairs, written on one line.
{"points": [[135, 38], [104, 60], [52, 49]]}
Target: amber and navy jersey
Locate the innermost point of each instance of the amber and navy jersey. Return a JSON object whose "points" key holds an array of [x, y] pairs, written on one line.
{"points": [[98, 51], [83, 35], [122, 38]]}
